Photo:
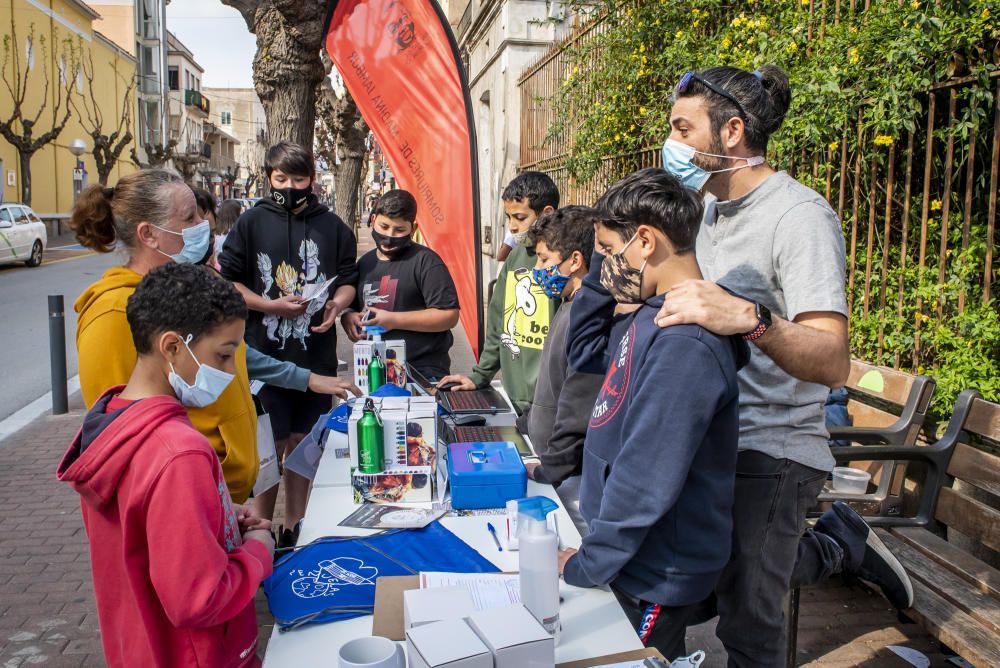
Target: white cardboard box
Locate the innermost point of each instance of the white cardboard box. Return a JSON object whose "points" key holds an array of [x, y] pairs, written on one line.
{"points": [[446, 644], [515, 637], [422, 606]]}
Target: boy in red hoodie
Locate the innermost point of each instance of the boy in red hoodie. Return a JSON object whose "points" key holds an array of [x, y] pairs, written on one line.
{"points": [[176, 564]]}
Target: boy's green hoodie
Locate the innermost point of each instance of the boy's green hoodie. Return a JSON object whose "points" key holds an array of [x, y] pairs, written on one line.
{"points": [[517, 325]]}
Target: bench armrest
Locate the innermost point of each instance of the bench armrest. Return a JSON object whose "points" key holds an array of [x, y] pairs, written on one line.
{"points": [[936, 456], [862, 435]]}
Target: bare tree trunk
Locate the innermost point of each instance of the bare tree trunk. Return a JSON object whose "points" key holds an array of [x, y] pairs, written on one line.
{"points": [[24, 158], [352, 150], [348, 178], [287, 66]]}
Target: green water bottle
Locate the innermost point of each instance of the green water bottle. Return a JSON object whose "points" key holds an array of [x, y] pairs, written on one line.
{"points": [[376, 367], [370, 446]]}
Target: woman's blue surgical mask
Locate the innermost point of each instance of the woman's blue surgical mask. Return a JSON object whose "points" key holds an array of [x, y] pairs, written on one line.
{"points": [[209, 383], [678, 159], [551, 280], [197, 240]]}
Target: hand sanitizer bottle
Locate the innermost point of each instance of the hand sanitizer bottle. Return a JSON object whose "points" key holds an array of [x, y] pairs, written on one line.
{"points": [[539, 562]]}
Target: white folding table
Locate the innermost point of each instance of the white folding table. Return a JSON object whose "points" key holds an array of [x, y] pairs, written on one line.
{"points": [[593, 624]]}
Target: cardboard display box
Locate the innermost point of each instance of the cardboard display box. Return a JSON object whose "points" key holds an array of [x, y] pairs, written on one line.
{"points": [[393, 438], [394, 358], [412, 485], [421, 436]]}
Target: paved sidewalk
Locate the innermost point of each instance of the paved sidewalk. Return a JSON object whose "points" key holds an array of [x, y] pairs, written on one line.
{"points": [[47, 613]]}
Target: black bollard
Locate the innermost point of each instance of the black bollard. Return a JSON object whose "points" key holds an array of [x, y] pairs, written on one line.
{"points": [[57, 355]]}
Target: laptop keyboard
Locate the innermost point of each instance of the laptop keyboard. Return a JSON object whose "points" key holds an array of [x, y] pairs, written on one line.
{"points": [[477, 434], [469, 401]]}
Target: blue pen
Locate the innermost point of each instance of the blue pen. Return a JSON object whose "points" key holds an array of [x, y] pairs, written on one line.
{"points": [[493, 532]]}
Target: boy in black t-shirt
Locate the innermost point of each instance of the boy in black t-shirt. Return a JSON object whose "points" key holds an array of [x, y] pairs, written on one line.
{"points": [[293, 260], [405, 288]]}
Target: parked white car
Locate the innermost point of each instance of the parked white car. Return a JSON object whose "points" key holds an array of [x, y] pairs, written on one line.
{"points": [[22, 235]]}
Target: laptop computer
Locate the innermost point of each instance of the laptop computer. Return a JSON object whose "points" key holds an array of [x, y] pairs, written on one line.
{"points": [[486, 401], [487, 434]]}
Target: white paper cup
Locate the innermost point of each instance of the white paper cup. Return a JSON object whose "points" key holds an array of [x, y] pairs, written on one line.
{"points": [[847, 480], [371, 652]]}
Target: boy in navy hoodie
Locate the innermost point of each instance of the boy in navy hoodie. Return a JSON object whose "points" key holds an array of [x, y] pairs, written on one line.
{"points": [[668, 407]]}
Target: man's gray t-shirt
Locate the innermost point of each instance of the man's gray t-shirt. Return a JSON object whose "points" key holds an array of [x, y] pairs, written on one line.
{"points": [[780, 245]]}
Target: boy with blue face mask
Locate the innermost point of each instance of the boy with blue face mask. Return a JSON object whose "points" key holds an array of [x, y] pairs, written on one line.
{"points": [[176, 564], [659, 459], [560, 409]]}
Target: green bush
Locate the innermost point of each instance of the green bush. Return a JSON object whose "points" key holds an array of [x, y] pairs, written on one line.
{"points": [[860, 78]]}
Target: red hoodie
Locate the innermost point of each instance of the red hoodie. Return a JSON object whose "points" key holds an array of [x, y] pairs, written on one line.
{"points": [[175, 583]]}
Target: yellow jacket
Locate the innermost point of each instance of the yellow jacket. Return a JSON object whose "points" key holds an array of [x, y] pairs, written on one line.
{"points": [[107, 357]]}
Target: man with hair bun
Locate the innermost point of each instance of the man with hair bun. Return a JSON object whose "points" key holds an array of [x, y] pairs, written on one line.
{"points": [[779, 245]]}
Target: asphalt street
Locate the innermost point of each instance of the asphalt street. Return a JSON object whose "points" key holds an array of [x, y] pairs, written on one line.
{"points": [[24, 330]]}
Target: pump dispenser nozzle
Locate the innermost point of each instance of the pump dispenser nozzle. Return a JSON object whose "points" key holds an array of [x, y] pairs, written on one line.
{"points": [[534, 510]]}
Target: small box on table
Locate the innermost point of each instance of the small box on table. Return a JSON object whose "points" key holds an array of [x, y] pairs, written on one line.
{"points": [[423, 606], [446, 644], [514, 637], [485, 475]]}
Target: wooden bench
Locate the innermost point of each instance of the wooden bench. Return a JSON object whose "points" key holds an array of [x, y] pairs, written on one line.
{"points": [[887, 407], [950, 545]]}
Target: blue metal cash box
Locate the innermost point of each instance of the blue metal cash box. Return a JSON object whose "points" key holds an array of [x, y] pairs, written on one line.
{"points": [[485, 475]]}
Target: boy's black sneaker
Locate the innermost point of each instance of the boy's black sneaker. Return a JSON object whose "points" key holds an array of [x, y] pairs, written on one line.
{"points": [[865, 556], [287, 538]]}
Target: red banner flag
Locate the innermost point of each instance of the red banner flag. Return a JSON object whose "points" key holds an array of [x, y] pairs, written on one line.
{"points": [[399, 60]]}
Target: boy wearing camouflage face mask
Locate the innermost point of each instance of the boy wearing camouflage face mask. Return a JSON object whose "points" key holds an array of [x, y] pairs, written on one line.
{"points": [[659, 459]]}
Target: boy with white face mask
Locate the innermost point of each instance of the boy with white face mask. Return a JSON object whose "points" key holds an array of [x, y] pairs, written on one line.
{"points": [[176, 564], [779, 244]]}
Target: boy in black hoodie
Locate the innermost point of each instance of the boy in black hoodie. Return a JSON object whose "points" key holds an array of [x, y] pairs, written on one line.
{"points": [[659, 459], [282, 256]]}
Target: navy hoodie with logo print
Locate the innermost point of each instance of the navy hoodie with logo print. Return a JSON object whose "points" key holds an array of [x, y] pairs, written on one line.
{"points": [[277, 253], [659, 461]]}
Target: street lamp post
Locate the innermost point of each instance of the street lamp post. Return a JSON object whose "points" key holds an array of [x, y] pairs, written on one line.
{"points": [[78, 147]]}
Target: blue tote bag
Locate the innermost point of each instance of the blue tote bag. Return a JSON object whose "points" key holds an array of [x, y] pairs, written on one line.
{"points": [[331, 579]]}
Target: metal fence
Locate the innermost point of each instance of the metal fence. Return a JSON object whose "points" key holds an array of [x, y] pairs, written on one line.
{"points": [[916, 204]]}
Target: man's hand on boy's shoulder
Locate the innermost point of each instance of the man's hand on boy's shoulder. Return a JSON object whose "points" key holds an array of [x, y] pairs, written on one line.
{"points": [[564, 556], [289, 306], [705, 303]]}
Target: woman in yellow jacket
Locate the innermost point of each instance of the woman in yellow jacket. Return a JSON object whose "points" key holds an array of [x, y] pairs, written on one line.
{"points": [[151, 214]]}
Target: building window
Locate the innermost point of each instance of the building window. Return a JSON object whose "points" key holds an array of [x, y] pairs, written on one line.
{"points": [[227, 118], [173, 77]]}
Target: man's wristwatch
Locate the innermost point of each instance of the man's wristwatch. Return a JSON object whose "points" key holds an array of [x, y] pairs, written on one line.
{"points": [[763, 323]]}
